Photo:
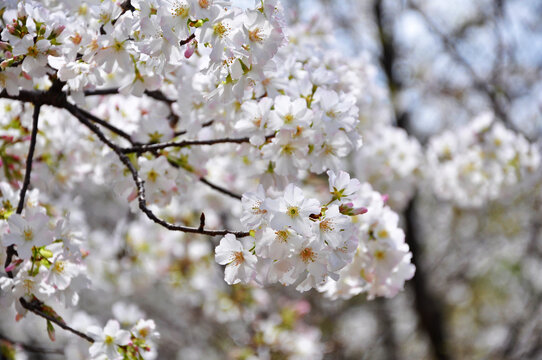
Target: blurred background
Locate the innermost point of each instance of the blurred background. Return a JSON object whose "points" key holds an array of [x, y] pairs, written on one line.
{"points": [[476, 292]]}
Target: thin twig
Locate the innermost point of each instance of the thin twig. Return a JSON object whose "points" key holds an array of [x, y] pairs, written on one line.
{"points": [[74, 110], [182, 132], [30, 306], [107, 125], [185, 143], [29, 158], [187, 40], [10, 252], [220, 189], [60, 101]]}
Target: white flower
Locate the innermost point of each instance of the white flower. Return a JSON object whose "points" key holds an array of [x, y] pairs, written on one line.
{"points": [[341, 187], [253, 211], [106, 341], [61, 272], [292, 210], [240, 263], [291, 114], [146, 329], [330, 228], [28, 233]]}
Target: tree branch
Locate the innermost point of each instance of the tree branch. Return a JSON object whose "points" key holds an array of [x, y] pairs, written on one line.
{"points": [[10, 252], [185, 143], [36, 309], [74, 110], [29, 158], [220, 189]]}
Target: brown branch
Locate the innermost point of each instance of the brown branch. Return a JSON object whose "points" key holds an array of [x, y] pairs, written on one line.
{"points": [[185, 143], [87, 119], [220, 189], [107, 125], [29, 158], [156, 94], [58, 99], [428, 307], [74, 110], [182, 132], [35, 308], [10, 252], [187, 40]]}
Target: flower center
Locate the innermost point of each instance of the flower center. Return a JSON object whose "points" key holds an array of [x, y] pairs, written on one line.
{"points": [[288, 119], [288, 149], [144, 332], [28, 234], [380, 254], [153, 175], [59, 266], [204, 3], [180, 10], [307, 255], [32, 51], [293, 211], [255, 35], [238, 258], [326, 226], [220, 29], [257, 210], [282, 236], [383, 234], [109, 340]]}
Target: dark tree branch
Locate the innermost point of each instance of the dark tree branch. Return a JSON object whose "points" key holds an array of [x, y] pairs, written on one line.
{"points": [[74, 110], [220, 189], [156, 94], [29, 158], [35, 307], [10, 252], [428, 307], [185, 143], [107, 125], [187, 40], [182, 132]]}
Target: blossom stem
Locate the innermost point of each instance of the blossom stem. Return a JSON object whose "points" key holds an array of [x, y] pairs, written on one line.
{"points": [[185, 143], [35, 308], [140, 184]]}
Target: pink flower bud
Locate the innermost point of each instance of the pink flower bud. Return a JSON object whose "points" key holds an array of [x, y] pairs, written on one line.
{"points": [[385, 198], [58, 30], [10, 267], [302, 307], [11, 29], [360, 211], [190, 50]]}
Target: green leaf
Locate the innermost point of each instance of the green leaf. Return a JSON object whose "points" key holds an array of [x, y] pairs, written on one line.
{"points": [[51, 331]]}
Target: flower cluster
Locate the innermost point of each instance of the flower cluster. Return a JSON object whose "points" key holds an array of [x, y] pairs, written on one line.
{"points": [[116, 343], [391, 162], [140, 42], [297, 240], [479, 163], [49, 261], [382, 262]]}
